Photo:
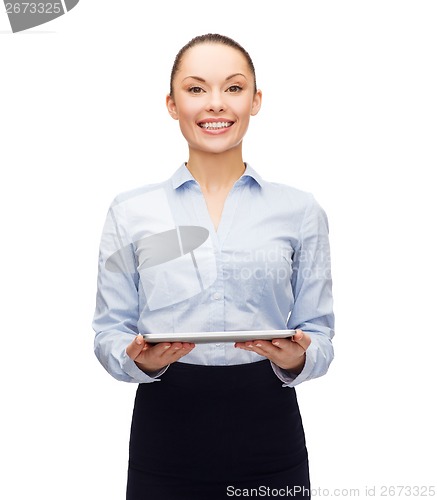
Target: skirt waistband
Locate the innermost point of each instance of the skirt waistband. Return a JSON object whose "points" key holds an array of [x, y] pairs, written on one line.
{"points": [[259, 373]]}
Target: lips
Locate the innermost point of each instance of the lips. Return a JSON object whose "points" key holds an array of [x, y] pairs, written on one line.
{"points": [[215, 124]]}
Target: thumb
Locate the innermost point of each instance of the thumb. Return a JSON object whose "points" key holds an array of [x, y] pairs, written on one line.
{"points": [[297, 336], [136, 346]]}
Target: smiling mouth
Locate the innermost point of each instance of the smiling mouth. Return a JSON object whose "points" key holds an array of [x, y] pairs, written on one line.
{"points": [[215, 125]]}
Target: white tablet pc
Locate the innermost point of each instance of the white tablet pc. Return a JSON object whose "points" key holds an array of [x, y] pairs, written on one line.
{"points": [[210, 337]]}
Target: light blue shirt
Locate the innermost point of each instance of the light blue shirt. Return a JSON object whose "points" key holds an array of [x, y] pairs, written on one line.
{"points": [[164, 268]]}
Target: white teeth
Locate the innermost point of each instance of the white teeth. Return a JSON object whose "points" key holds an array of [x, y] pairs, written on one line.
{"points": [[215, 125]]}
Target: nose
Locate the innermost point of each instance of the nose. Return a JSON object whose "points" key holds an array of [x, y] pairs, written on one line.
{"points": [[216, 102]]}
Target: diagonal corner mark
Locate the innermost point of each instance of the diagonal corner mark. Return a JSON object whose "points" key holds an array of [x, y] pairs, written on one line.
{"points": [[25, 15], [70, 4]]}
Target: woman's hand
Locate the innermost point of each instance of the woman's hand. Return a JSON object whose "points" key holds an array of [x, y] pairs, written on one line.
{"points": [[153, 357], [288, 354]]}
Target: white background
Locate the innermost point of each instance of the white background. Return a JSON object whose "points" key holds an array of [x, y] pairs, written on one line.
{"points": [[349, 113]]}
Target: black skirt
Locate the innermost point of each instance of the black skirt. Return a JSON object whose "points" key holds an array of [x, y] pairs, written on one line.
{"points": [[212, 432]]}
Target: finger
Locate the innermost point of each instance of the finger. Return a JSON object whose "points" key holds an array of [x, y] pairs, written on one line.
{"points": [[181, 353], [136, 347], [281, 343], [247, 346], [240, 345], [163, 347], [173, 351], [178, 354], [258, 346], [261, 347], [303, 339], [185, 349]]}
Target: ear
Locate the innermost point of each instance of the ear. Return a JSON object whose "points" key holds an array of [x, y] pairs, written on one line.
{"points": [[171, 106], [256, 103]]}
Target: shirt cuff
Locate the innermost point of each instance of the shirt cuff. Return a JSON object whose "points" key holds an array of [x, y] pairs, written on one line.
{"points": [[291, 380], [129, 366]]}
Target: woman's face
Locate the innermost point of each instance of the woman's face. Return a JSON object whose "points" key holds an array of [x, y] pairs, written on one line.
{"points": [[213, 97]]}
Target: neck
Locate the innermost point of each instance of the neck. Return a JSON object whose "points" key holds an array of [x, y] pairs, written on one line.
{"points": [[216, 172]]}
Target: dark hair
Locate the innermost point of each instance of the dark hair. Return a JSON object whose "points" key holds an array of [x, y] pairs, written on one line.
{"points": [[209, 38]]}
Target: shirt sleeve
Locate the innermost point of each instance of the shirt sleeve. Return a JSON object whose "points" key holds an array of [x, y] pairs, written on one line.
{"points": [[312, 311], [117, 311]]}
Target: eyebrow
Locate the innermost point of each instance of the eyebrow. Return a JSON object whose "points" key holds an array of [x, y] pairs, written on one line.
{"points": [[226, 79]]}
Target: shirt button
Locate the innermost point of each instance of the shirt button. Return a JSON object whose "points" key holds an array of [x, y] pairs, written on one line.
{"points": [[217, 296]]}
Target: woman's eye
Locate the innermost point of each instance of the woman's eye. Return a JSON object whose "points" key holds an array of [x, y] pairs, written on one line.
{"points": [[234, 88], [195, 90]]}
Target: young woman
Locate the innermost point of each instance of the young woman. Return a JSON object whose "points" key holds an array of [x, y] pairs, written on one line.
{"points": [[215, 248]]}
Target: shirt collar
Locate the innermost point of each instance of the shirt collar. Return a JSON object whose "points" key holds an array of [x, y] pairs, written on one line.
{"points": [[183, 175]]}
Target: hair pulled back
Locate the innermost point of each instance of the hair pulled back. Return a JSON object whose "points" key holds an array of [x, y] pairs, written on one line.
{"points": [[209, 38]]}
